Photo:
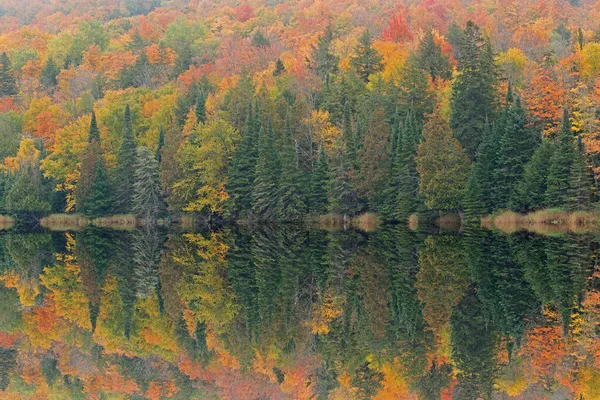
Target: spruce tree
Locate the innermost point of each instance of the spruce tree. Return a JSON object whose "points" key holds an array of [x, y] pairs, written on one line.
{"points": [[160, 145], [349, 137], [559, 172], [473, 93], [265, 189], [8, 84], [408, 177], [201, 107], [323, 62], [291, 205], [147, 200], [241, 173], [49, 74], [99, 202], [431, 58], [320, 185], [530, 191], [517, 145], [581, 182], [344, 200], [366, 60], [126, 158], [87, 171], [26, 193]]}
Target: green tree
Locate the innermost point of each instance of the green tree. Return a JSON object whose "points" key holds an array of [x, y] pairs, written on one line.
{"points": [[473, 93], [87, 170], [322, 61], [291, 197], [160, 145], [431, 58], [366, 60], [559, 172], [201, 107], [26, 192], [146, 200], [442, 164], [530, 191], [319, 185], [8, 84], [50, 72], [265, 194], [581, 182], [123, 175], [99, 203]]}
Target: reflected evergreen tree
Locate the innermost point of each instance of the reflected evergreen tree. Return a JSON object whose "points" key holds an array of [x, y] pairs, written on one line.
{"points": [[8, 361], [146, 247]]}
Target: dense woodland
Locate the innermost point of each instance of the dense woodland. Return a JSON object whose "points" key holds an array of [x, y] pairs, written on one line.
{"points": [[274, 110]]}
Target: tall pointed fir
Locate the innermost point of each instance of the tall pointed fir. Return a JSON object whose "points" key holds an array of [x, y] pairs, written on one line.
{"points": [[581, 182], [559, 172], [87, 171], [530, 191], [408, 177], [319, 185], [8, 84], [265, 189], [344, 199], [147, 200], [49, 74], [200, 110], [349, 137], [160, 145], [291, 206], [99, 203], [123, 176], [517, 145], [473, 93]]}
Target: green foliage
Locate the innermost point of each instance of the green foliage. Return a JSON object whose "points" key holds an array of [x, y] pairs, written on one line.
{"points": [[291, 206], [320, 185], [8, 84], [559, 171], [265, 194], [126, 157], [99, 203], [146, 200], [366, 60], [530, 192], [431, 59], [50, 73], [323, 62]]}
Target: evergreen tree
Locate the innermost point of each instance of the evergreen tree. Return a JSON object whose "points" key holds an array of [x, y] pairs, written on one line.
{"points": [[581, 182], [323, 62], [99, 203], [26, 193], [366, 60], [530, 192], [241, 173], [431, 58], [291, 200], [146, 200], [442, 164], [559, 172], [517, 144], [123, 175], [49, 74], [265, 188], [279, 68], [344, 200], [408, 177], [161, 144], [320, 184], [8, 84], [473, 94], [87, 171], [201, 107], [349, 137]]}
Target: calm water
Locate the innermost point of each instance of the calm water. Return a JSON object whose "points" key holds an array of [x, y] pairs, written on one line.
{"points": [[298, 314]]}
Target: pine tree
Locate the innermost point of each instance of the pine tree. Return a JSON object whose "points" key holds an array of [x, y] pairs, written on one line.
{"points": [[241, 173], [201, 107], [323, 62], [99, 203], [344, 200], [581, 182], [366, 60], [160, 145], [517, 145], [87, 171], [279, 68], [559, 172], [530, 192], [432, 59], [26, 194], [408, 177], [8, 84], [291, 200], [49, 74], [320, 185], [147, 200], [442, 164], [349, 137], [123, 176], [473, 93], [265, 188]]}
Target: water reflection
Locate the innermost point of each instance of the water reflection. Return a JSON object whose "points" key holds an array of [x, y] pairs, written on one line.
{"points": [[290, 313]]}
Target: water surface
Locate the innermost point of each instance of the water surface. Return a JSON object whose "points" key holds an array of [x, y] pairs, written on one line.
{"points": [[292, 313]]}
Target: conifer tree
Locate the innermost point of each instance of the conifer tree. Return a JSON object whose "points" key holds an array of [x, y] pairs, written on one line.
{"points": [[432, 59], [559, 172], [344, 200], [323, 62], [442, 164], [320, 185], [517, 145], [87, 171], [581, 182], [201, 107], [147, 200], [26, 194], [349, 137], [126, 158], [530, 191], [49, 74], [160, 145], [99, 202], [408, 177], [265, 188], [473, 93], [242, 170], [291, 205], [366, 60], [8, 84]]}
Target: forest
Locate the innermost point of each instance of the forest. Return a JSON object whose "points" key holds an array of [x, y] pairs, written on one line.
{"points": [[285, 111]]}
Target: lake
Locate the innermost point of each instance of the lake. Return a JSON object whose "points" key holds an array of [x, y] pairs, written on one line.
{"points": [[293, 313]]}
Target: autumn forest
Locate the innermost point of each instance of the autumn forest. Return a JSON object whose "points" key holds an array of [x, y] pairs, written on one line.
{"points": [[299, 199]]}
